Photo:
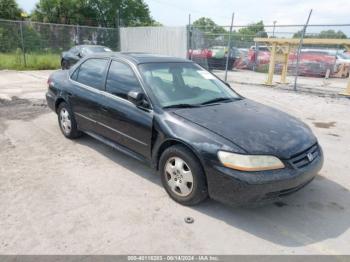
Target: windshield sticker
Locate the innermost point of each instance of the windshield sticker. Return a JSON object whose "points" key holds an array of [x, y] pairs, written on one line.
{"points": [[206, 74]]}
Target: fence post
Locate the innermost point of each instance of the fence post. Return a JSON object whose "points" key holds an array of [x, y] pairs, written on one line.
{"points": [[272, 65], [299, 51], [117, 25], [347, 90], [22, 42], [189, 38], [78, 34], [118, 19], [255, 64], [229, 46], [285, 64]]}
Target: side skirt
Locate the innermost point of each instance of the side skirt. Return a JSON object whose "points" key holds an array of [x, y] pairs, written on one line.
{"points": [[118, 147]]}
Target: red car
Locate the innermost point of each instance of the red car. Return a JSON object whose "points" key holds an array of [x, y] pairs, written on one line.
{"points": [[312, 63]]}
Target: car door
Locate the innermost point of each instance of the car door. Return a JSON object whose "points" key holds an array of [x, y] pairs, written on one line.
{"points": [[124, 122], [87, 83]]}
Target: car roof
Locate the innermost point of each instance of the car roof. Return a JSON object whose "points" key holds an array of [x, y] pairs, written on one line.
{"points": [[88, 46], [142, 58]]}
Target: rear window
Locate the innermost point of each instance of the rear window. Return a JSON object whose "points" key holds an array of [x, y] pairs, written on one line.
{"points": [[91, 73]]}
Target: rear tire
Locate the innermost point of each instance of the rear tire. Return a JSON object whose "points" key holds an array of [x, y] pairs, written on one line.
{"points": [[182, 176], [66, 121]]}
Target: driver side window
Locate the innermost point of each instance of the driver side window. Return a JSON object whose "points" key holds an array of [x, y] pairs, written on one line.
{"points": [[121, 80]]}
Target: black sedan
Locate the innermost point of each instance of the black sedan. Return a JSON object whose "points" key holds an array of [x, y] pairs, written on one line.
{"points": [[76, 53], [202, 137]]}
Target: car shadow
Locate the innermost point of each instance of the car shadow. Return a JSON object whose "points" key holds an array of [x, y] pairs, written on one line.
{"points": [[318, 212]]}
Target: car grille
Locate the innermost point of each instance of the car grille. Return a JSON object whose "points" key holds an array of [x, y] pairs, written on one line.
{"points": [[306, 157]]}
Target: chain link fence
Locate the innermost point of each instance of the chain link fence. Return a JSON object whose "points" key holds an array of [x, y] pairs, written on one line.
{"points": [[24, 41], [243, 53]]}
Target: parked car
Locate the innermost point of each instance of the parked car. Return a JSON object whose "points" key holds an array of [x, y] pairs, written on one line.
{"points": [[343, 58], [262, 48], [202, 137], [219, 57], [313, 63], [76, 53], [260, 58], [242, 61], [342, 67], [215, 57]]}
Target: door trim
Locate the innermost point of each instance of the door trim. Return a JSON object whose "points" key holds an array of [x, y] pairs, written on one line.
{"points": [[111, 128]]}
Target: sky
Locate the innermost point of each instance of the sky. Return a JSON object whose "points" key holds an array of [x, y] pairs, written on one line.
{"points": [[175, 13]]}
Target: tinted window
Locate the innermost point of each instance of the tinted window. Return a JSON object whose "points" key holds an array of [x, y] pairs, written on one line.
{"points": [[121, 80], [91, 73]]}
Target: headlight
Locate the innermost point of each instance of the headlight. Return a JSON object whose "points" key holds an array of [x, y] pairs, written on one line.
{"points": [[249, 162]]}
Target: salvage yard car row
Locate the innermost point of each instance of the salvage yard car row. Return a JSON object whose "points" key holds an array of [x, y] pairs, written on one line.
{"points": [[313, 62]]}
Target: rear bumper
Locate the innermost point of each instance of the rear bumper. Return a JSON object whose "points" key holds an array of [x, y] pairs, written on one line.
{"points": [[50, 99], [243, 188]]}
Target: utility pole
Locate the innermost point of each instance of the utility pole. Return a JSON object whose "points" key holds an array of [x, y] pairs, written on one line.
{"points": [[229, 46], [299, 50], [274, 26]]}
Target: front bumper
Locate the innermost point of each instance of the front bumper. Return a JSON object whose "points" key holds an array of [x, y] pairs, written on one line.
{"points": [[243, 188]]}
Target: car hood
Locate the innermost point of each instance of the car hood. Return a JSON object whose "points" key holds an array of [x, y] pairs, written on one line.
{"points": [[256, 128]]}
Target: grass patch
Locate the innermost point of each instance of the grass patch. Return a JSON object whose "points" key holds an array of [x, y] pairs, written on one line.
{"points": [[35, 61]]}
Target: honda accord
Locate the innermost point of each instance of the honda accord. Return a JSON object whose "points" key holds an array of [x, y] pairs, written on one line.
{"points": [[204, 138]]}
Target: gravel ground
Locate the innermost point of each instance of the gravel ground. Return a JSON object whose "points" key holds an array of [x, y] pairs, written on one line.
{"points": [[81, 197]]}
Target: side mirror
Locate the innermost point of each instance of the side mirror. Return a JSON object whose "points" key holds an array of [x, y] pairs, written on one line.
{"points": [[138, 98], [227, 84], [80, 55]]}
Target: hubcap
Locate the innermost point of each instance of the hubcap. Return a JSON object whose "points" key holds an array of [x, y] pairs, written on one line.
{"points": [[65, 120], [179, 176]]}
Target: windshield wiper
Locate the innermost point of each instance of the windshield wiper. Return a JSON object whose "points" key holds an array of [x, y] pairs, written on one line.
{"points": [[181, 106], [216, 100]]}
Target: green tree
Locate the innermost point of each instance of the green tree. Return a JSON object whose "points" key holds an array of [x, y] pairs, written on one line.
{"points": [[61, 11], [252, 30], [9, 10], [9, 32], [331, 34], [124, 12], [209, 27], [105, 13]]}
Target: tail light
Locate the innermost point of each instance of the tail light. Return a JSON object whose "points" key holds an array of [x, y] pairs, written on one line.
{"points": [[49, 82]]}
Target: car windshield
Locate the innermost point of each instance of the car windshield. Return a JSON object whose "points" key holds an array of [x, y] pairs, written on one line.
{"points": [[185, 85]]}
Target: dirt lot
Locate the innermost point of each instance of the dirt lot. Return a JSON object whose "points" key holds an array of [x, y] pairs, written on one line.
{"points": [[81, 197]]}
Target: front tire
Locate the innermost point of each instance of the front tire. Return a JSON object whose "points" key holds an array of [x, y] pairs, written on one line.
{"points": [[67, 122], [182, 176]]}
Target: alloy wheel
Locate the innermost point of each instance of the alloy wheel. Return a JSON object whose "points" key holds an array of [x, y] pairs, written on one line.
{"points": [[65, 121], [178, 176]]}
